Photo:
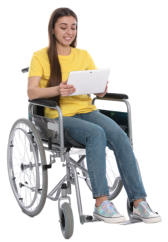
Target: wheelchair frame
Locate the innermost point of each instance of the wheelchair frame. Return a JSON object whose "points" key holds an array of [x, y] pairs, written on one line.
{"points": [[62, 190]]}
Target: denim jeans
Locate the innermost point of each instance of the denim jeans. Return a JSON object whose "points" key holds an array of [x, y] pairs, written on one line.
{"points": [[96, 131]]}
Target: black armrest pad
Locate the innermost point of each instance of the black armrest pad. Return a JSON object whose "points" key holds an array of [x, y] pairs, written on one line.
{"points": [[44, 102], [115, 96]]}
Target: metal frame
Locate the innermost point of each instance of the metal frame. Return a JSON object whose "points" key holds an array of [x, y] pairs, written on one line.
{"points": [[61, 191]]}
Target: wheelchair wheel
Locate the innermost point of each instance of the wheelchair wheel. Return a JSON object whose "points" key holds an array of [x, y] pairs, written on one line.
{"points": [[26, 167], [113, 178], [66, 220]]}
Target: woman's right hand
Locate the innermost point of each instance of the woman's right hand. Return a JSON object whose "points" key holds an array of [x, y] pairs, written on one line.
{"points": [[65, 89]]}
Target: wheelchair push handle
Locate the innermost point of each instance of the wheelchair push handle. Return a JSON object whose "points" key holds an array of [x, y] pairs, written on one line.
{"points": [[24, 70]]}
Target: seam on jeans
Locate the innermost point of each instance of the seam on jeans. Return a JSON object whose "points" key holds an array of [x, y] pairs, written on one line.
{"points": [[137, 197], [96, 195]]}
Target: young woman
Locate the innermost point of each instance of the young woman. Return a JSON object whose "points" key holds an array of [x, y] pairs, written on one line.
{"points": [[48, 74]]}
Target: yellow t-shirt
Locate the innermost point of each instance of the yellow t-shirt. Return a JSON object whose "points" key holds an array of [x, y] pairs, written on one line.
{"points": [[78, 60]]}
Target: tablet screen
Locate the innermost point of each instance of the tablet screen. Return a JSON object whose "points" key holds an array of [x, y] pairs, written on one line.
{"points": [[88, 81]]}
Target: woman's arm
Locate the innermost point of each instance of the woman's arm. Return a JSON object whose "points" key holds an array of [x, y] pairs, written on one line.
{"points": [[35, 92]]}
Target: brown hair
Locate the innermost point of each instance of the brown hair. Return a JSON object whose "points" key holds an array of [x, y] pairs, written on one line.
{"points": [[55, 68]]}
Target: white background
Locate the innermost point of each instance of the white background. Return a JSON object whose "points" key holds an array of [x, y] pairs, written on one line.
{"points": [[131, 38]]}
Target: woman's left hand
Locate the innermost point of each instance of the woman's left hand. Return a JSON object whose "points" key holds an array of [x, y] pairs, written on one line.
{"points": [[102, 94]]}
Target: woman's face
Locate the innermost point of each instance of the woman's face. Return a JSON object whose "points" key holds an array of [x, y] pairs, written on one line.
{"points": [[65, 30]]}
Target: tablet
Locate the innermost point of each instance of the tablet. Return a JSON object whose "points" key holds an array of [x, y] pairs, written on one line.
{"points": [[88, 81]]}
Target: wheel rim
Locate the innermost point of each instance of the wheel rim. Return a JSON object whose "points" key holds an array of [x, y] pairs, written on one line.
{"points": [[24, 167]]}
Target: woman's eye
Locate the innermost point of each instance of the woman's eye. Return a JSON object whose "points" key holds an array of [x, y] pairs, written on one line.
{"points": [[71, 28]]}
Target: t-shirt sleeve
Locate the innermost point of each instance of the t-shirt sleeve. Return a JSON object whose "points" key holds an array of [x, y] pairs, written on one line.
{"points": [[36, 68], [91, 64]]}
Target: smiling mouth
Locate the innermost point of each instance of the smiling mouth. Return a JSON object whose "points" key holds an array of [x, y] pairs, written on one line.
{"points": [[68, 38]]}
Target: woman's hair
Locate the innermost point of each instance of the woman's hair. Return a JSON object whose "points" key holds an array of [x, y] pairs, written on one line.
{"points": [[55, 68]]}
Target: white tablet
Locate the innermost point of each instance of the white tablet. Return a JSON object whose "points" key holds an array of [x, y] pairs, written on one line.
{"points": [[89, 81]]}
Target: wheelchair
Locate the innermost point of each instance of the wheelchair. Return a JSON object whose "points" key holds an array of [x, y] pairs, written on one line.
{"points": [[29, 141]]}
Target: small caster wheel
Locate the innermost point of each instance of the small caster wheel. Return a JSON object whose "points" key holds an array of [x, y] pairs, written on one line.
{"points": [[66, 220]]}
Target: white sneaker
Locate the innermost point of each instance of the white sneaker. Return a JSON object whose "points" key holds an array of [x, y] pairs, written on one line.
{"points": [[143, 212], [108, 213]]}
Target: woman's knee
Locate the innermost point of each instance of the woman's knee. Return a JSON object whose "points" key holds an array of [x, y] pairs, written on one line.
{"points": [[98, 132], [117, 136]]}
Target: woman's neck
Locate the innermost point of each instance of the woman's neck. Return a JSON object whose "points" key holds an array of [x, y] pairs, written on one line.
{"points": [[63, 50]]}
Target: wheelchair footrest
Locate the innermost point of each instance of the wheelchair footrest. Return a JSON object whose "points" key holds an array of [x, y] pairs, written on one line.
{"points": [[88, 218], [45, 167], [130, 221]]}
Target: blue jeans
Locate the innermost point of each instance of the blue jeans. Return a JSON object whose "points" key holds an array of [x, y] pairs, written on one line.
{"points": [[96, 131]]}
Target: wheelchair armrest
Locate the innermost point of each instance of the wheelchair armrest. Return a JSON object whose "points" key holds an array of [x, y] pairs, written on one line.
{"points": [[113, 96], [44, 102]]}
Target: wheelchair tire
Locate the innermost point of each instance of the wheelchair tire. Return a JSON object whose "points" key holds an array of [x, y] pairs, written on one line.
{"points": [[27, 167], [66, 220]]}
